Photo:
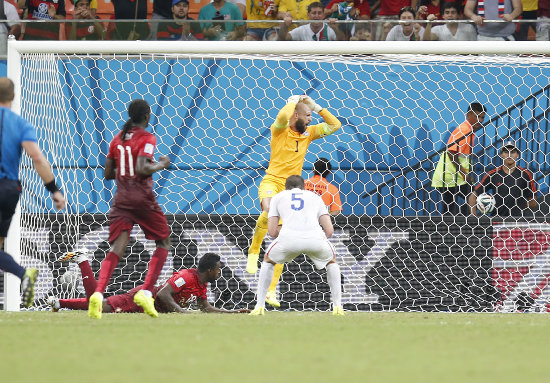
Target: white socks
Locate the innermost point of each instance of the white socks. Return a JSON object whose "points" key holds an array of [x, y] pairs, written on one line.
{"points": [[335, 283], [266, 274]]}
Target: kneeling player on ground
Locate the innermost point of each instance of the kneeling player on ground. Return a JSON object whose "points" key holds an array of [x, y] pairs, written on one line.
{"points": [[302, 212], [185, 287]]}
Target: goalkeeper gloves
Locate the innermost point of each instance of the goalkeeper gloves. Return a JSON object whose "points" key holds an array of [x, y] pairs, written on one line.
{"points": [[294, 99], [312, 104]]}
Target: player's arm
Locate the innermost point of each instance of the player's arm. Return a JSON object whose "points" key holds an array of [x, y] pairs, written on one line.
{"points": [[109, 173], [533, 189], [273, 227], [166, 296], [326, 224], [44, 170], [145, 166], [331, 124], [281, 122], [208, 308]]}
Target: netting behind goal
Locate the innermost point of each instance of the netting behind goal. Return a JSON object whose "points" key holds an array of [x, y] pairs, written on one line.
{"points": [[211, 115]]}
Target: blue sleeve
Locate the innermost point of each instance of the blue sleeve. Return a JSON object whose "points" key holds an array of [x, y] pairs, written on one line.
{"points": [[28, 133]]}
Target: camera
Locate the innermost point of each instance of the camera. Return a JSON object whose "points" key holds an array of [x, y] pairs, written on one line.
{"points": [[218, 16]]}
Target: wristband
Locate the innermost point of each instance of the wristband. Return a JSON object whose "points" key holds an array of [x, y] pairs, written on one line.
{"points": [[51, 187]]}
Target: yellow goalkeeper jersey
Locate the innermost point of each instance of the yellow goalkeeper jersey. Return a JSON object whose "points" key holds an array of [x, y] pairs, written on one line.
{"points": [[288, 148]]}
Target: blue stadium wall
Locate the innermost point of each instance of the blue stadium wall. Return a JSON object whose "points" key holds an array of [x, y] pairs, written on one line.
{"points": [[396, 116]]}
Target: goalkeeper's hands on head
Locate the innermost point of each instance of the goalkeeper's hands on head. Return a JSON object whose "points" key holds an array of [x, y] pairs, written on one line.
{"points": [[312, 104], [294, 99]]}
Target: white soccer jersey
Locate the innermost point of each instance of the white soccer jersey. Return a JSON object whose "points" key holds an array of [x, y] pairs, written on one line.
{"points": [[465, 32], [299, 210]]}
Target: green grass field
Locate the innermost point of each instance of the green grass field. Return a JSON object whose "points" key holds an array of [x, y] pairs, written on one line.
{"points": [[279, 347]]}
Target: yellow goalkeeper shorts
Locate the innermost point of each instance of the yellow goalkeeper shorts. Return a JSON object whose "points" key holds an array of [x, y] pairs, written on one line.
{"points": [[270, 186]]}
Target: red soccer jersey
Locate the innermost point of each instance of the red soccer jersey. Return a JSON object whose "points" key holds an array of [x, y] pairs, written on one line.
{"points": [[132, 190], [187, 287]]}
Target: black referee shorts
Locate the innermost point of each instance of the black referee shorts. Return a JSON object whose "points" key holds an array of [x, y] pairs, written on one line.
{"points": [[9, 196]]}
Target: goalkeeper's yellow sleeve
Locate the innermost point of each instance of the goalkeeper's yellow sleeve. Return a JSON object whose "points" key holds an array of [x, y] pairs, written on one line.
{"points": [[331, 124], [281, 122]]}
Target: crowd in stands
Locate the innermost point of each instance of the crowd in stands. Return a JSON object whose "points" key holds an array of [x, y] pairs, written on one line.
{"points": [[398, 20]]}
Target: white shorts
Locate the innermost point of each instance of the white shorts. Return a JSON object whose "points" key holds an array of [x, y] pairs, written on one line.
{"points": [[287, 247]]}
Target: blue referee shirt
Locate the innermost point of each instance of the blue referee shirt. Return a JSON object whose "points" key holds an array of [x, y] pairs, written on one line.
{"points": [[13, 131]]}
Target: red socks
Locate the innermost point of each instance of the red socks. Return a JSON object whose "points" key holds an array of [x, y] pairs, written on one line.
{"points": [[88, 279], [107, 267], [155, 267], [74, 304]]}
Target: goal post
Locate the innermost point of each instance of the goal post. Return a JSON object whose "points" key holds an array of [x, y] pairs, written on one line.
{"points": [[212, 105]]}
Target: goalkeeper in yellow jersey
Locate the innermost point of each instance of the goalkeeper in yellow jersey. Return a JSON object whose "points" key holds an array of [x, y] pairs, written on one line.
{"points": [[291, 135]]}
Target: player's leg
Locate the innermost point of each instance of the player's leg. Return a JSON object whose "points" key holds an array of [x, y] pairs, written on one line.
{"points": [[10, 190], [80, 257], [118, 247], [266, 274], [275, 254], [28, 276], [324, 256], [260, 230], [269, 186], [334, 280], [155, 226], [271, 297], [144, 297]]}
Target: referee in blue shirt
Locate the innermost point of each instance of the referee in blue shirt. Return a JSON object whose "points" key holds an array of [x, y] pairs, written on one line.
{"points": [[16, 133]]}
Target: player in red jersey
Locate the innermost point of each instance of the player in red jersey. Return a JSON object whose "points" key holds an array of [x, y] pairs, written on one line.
{"points": [[185, 288], [130, 161]]}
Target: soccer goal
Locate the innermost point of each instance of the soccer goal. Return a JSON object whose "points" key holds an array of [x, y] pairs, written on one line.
{"points": [[213, 104]]}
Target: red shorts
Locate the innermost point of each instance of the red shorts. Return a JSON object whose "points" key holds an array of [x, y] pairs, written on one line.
{"points": [[124, 303], [152, 222]]}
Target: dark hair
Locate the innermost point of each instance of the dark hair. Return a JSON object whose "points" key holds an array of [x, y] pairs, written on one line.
{"points": [[137, 110], [322, 167], [448, 5], [407, 9], [6, 90], [294, 182], [316, 4], [477, 108], [208, 261]]}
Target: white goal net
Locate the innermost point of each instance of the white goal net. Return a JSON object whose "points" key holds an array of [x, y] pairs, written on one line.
{"points": [[211, 114]]}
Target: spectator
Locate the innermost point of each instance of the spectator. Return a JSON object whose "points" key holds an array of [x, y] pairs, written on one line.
{"points": [[343, 10], [8, 12], [84, 31], [241, 4], [449, 31], [429, 7], [131, 10], [389, 10], [512, 187], [506, 10], [530, 8], [162, 10], [407, 31], [452, 175], [543, 20], [317, 30], [221, 10], [361, 33], [180, 28], [261, 10], [44, 10], [295, 9], [319, 184]]}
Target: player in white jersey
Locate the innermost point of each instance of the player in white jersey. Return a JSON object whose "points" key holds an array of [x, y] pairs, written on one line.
{"points": [[305, 230]]}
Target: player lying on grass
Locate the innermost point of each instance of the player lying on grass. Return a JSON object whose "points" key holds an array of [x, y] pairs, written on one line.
{"points": [[184, 288]]}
